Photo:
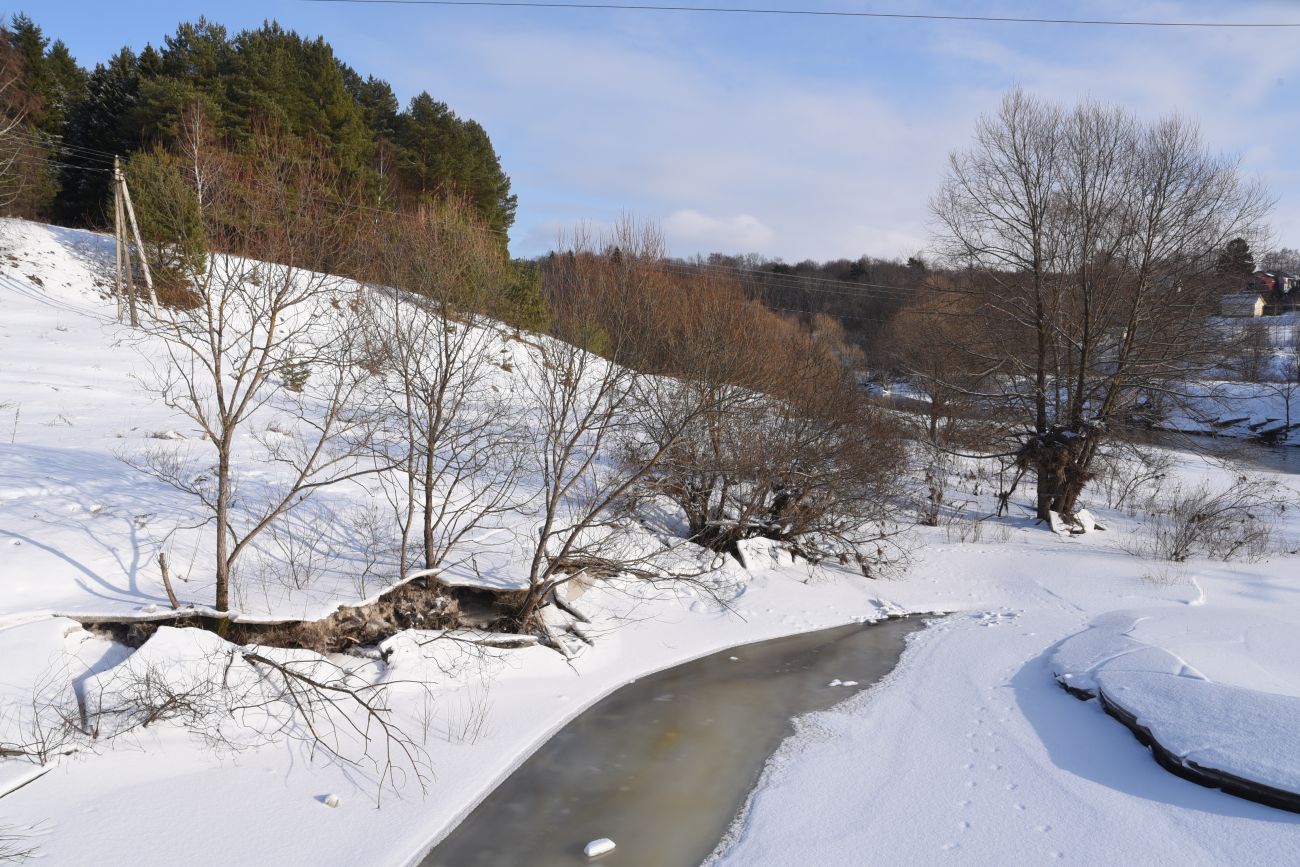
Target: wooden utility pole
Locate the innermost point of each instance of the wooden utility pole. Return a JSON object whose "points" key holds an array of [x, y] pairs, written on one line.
{"points": [[122, 199], [117, 237]]}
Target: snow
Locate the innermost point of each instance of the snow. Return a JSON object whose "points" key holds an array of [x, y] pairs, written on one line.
{"points": [[1217, 689], [596, 848], [969, 752]]}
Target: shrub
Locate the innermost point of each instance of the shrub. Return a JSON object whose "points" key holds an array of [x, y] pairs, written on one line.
{"points": [[1228, 524]]}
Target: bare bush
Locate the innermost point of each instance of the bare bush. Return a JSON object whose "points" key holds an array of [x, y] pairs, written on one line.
{"points": [[1231, 523], [1131, 476], [745, 422], [585, 404], [14, 845], [53, 722], [231, 698]]}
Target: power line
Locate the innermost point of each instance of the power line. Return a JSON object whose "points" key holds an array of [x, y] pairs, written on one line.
{"points": [[56, 142], [824, 13]]}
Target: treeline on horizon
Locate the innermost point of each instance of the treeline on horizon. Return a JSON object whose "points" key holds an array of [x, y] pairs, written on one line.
{"points": [[241, 83], [270, 82]]}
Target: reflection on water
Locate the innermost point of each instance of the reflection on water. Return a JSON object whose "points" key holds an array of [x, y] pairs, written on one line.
{"points": [[663, 765]]}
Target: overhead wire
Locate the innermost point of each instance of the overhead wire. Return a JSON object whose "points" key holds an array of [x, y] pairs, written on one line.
{"points": [[56, 142], [826, 13]]}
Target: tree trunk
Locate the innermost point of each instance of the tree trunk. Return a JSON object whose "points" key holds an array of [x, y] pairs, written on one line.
{"points": [[223, 529]]}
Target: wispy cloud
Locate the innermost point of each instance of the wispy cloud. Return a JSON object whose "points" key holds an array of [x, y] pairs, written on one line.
{"points": [[735, 146]]}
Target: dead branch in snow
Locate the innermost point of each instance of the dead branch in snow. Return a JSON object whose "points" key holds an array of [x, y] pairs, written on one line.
{"points": [[231, 698]]}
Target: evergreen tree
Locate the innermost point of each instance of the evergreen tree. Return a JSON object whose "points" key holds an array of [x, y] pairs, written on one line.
{"points": [[167, 212], [298, 83], [264, 78], [1236, 259], [193, 67], [525, 306], [442, 154], [66, 87], [100, 121]]}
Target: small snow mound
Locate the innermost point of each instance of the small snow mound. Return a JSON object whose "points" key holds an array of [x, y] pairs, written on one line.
{"points": [[596, 848], [331, 801]]}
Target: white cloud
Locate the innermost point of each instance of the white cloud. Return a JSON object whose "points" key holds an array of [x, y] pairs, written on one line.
{"points": [[689, 229], [737, 151]]}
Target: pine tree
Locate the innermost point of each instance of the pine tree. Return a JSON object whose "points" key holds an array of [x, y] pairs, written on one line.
{"points": [[259, 79], [101, 121], [167, 212], [525, 306], [1236, 259]]}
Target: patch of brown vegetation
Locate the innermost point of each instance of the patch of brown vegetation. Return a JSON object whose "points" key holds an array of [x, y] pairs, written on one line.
{"points": [[177, 294]]}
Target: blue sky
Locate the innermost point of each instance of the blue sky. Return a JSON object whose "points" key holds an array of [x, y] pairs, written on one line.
{"points": [[793, 137]]}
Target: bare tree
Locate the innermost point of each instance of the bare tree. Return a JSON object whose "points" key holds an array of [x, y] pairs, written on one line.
{"points": [[452, 444], [1282, 259], [1090, 240], [763, 433], [270, 339], [586, 404], [1284, 379], [196, 142]]}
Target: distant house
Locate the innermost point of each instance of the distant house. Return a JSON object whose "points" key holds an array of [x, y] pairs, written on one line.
{"points": [[1263, 282], [1243, 305], [1281, 291]]}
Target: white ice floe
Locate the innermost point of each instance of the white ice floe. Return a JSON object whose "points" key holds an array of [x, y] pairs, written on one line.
{"points": [[1216, 694]]}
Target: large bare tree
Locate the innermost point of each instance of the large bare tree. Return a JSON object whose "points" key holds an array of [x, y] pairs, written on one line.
{"points": [[1089, 239]]}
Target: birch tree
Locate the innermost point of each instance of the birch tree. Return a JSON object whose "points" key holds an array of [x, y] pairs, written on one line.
{"points": [[452, 444]]}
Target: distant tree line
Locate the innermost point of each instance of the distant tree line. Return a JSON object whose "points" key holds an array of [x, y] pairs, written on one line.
{"points": [[863, 294], [234, 85]]}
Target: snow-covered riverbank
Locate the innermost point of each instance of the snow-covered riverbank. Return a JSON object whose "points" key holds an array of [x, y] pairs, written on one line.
{"points": [[971, 753]]}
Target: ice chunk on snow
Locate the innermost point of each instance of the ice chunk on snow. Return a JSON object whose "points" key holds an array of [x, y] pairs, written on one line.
{"points": [[596, 848], [1237, 735], [331, 801]]}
